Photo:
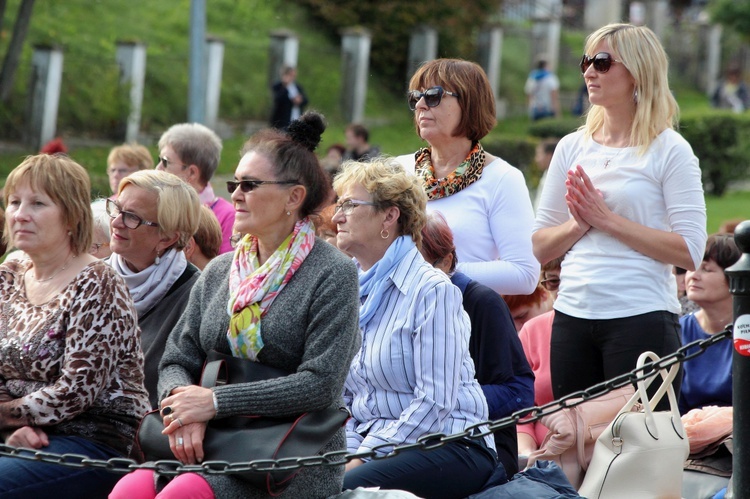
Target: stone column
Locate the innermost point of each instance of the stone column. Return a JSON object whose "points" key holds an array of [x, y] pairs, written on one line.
{"points": [[214, 65], [46, 81], [131, 57], [422, 48], [546, 31], [284, 51], [355, 63], [490, 54], [657, 16], [712, 36], [597, 13]]}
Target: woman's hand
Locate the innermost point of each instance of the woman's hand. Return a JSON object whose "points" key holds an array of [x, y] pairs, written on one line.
{"points": [[353, 464], [185, 413], [585, 202], [29, 437]]}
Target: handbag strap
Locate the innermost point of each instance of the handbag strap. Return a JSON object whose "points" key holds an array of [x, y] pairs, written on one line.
{"points": [[211, 372], [641, 395]]}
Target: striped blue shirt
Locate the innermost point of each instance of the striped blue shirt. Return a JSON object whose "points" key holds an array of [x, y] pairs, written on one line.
{"points": [[413, 374]]}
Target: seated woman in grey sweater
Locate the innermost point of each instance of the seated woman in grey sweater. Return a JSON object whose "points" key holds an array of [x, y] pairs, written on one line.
{"points": [[284, 298]]}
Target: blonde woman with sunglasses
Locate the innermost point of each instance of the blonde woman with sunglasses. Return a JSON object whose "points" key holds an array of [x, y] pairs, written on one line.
{"points": [[623, 202], [483, 198]]}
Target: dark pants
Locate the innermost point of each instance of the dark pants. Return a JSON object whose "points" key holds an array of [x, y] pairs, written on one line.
{"points": [[23, 479], [457, 469], [585, 352]]}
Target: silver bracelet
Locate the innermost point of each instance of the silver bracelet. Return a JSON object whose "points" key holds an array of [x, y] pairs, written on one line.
{"points": [[216, 402]]}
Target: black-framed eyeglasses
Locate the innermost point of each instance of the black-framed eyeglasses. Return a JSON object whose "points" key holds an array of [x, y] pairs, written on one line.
{"points": [[432, 96], [347, 207], [551, 284], [163, 160], [250, 185], [131, 220], [601, 61]]}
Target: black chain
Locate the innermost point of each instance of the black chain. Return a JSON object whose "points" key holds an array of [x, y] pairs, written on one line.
{"points": [[338, 458]]}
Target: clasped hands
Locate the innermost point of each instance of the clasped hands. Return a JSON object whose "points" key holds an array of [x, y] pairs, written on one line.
{"points": [[585, 202], [185, 413]]}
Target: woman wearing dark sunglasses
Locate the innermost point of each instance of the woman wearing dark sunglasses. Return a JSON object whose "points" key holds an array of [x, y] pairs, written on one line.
{"points": [[283, 298], [483, 198], [623, 202]]}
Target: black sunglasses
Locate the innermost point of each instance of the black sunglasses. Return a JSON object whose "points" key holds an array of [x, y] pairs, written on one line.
{"points": [[163, 160], [432, 96], [601, 61], [249, 185]]}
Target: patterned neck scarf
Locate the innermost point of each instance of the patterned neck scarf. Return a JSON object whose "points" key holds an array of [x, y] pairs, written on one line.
{"points": [[253, 287], [468, 172]]}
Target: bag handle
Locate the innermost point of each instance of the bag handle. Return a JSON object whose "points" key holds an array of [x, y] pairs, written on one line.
{"points": [[211, 372], [666, 387]]}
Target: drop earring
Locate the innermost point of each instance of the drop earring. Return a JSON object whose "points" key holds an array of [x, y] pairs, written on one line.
{"points": [[635, 96], [157, 259]]}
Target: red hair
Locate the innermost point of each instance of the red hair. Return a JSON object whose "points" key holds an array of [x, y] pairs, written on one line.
{"points": [[437, 240]]}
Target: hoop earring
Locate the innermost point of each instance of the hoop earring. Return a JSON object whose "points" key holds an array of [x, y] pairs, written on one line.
{"points": [[387, 234]]}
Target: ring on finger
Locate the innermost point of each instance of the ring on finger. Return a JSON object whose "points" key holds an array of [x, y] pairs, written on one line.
{"points": [[166, 411], [179, 421], [170, 417], [180, 441]]}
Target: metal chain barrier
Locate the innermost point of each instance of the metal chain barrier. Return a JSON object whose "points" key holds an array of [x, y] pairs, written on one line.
{"points": [[339, 458]]}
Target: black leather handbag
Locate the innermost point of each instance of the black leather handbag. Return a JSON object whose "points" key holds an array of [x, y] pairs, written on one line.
{"points": [[249, 438]]}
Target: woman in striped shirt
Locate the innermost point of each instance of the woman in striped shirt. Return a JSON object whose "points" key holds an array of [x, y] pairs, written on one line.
{"points": [[413, 374]]}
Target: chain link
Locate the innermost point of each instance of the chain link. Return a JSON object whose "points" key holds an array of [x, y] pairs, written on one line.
{"points": [[382, 451]]}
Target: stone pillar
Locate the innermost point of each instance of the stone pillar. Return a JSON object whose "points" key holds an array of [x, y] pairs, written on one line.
{"points": [[284, 51], [355, 63], [712, 36], [46, 81], [197, 67], [490, 54], [657, 16], [131, 57], [598, 13], [422, 48], [214, 65], [546, 31]]}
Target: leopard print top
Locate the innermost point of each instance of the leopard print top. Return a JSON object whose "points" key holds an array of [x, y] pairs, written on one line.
{"points": [[74, 365]]}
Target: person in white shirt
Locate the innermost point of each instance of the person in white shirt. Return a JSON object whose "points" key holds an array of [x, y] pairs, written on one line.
{"points": [[623, 202], [484, 199], [542, 91], [413, 374]]}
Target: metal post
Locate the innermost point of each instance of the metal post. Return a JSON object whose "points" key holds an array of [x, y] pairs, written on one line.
{"points": [[197, 73], [739, 286]]}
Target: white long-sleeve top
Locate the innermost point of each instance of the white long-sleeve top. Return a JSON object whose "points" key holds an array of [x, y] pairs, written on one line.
{"points": [[601, 277], [491, 222]]}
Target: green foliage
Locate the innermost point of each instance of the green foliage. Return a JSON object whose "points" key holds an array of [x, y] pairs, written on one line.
{"points": [[517, 152], [555, 128], [721, 140], [734, 14], [391, 23]]}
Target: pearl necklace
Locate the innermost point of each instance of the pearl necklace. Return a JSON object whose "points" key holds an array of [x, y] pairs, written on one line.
{"points": [[46, 279]]}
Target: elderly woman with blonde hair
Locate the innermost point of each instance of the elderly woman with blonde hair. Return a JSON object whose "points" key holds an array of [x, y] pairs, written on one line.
{"points": [[152, 220], [413, 375]]}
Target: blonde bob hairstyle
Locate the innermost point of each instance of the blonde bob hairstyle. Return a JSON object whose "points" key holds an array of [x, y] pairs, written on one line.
{"points": [[389, 185], [475, 95], [644, 57], [67, 184], [134, 155], [178, 208]]}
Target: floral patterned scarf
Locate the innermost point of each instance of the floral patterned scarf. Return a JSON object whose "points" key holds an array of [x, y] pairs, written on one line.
{"points": [[468, 172], [253, 287]]}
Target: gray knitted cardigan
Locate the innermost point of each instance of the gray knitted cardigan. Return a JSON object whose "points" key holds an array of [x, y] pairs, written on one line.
{"points": [[311, 329]]}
